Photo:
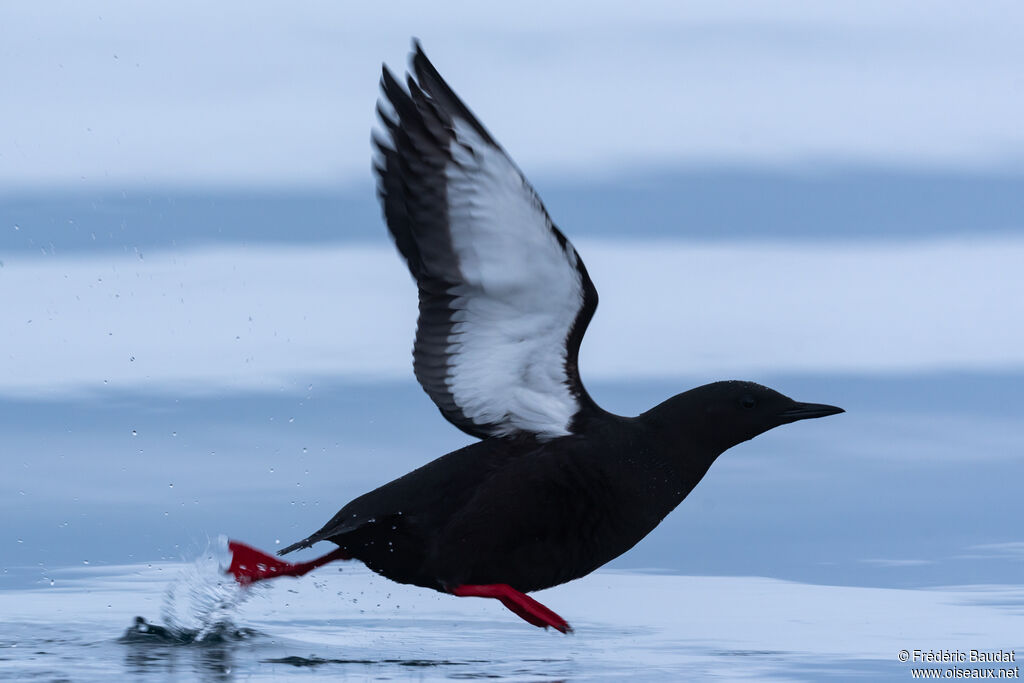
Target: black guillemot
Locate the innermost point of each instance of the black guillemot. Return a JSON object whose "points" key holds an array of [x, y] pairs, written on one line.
{"points": [[556, 486]]}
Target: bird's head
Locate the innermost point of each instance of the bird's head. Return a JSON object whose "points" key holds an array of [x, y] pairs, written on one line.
{"points": [[721, 415]]}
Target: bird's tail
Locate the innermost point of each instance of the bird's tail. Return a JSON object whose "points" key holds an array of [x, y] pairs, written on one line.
{"points": [[340, 526], [304, 543]]}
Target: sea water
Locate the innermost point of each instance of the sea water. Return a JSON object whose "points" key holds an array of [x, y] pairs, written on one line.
{"points": [[190, 621]]}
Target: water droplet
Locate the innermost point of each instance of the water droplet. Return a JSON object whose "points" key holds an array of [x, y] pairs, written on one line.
{"points": [[291, 419], [85, 561], [303, 449], [171, 485], [134, 433], [271, 470], [52, 582], [17, 227], [174, 433]]}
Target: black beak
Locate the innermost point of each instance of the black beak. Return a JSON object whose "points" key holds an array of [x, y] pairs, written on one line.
{"points": [[805, 411]]}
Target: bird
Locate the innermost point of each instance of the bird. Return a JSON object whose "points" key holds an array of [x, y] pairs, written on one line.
{"points": [[554, 486]]}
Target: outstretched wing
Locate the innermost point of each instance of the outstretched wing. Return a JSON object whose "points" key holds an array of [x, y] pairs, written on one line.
{"points": [[504, 298]]}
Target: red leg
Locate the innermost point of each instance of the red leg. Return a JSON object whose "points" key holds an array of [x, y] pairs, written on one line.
{"points": [[520, 603], [250, 565]]}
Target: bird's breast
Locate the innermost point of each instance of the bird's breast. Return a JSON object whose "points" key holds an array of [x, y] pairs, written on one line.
{"points": [[550, 521]]}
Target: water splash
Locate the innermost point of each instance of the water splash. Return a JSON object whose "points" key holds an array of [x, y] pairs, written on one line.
{"points": [[199, 606]]}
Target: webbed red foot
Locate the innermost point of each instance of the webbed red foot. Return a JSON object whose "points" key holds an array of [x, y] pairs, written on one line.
{"points": [[249, 565], [526, 607]]}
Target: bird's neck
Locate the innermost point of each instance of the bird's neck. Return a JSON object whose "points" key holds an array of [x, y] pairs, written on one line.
{"points": [[679, 444]]}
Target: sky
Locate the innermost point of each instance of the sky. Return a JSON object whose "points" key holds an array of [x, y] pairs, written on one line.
{"points": [[122, 95]]}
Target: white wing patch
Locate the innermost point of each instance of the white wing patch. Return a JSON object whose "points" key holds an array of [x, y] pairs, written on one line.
{"points": [[503, 297], [519, 298]]}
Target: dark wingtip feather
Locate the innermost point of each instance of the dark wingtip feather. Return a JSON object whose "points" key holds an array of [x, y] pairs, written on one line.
{"points": [[412, 86], [426, 73], [380, 144], [388, 82], [386, 119], [431, 81]]}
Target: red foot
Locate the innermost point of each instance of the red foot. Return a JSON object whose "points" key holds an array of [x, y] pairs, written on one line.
{"points": [[520, 603], [250, 565]]}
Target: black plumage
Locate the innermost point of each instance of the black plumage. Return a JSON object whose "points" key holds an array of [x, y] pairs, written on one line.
{"points": [[557, 486]]}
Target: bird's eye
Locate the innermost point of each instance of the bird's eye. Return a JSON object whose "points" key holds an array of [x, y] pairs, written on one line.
{"points": [[748, 402]]}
